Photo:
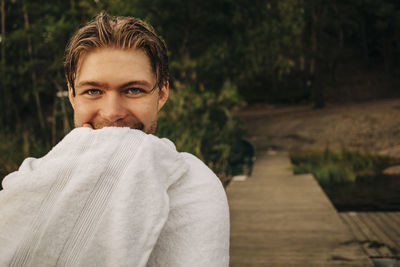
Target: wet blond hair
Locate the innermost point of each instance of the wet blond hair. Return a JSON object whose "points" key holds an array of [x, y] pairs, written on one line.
{"points": [[106, 31]]}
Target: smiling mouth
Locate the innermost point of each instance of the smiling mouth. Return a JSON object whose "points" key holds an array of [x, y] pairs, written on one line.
{"points": [[132, 125]]}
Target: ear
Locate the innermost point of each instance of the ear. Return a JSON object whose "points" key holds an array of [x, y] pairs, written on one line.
{"points": [[71, 96], [163, 95]]}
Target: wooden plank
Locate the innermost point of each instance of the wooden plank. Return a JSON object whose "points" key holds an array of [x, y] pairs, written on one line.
{"points": [[347, 218], [395, 216], [394, 226], [364, 228], [361, 234], [385, 226], [370, 235], [394, 230], [377, 234], [381, 227], [358, 235], [378, 227]]}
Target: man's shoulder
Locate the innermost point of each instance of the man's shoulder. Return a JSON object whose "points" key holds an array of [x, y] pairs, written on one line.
{"points": [[198, 172], [198, 166], [200, 176]]}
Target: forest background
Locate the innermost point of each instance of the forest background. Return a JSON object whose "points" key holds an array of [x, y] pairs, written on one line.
{"points": [[224, 54]]}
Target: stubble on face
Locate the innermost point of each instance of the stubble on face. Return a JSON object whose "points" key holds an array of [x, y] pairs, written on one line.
{"points": [[110, 69], [131, 123]]}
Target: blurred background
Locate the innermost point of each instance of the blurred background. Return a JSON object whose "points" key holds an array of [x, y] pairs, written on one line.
{"points": [[225, 56], [292, 75]]}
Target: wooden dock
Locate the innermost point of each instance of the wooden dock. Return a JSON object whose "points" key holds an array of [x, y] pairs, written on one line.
{"points": [[378, 233], [279, 219]]}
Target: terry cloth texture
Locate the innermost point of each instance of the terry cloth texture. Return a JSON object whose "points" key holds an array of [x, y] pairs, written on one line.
{"points": [[113, 197]]}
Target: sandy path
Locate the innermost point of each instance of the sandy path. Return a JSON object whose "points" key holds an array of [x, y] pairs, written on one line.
{"points": [[370, 126]]}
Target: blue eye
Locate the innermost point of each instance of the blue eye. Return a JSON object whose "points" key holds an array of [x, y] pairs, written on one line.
{"points": [[93, 92], [135, 91]]}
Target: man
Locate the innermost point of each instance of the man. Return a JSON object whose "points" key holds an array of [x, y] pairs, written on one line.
{"points": [[110, 193]]}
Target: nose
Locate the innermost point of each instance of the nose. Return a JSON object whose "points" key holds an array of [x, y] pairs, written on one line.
{"points": [[113, 109]]}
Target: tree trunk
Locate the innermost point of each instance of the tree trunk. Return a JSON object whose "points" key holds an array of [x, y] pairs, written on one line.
{"points": [[10, 113], [364, 41], [316, 87], [34, 79], [66, 124], [4, 104], [3, 32], [340, 38], [388, 53], [25, 144], [54, 123]]}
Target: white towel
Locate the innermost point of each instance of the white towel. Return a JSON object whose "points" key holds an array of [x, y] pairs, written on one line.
{"points": [[113, 197]]}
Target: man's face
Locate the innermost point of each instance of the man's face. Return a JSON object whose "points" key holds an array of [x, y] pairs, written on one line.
{"points": [[114, 87]]}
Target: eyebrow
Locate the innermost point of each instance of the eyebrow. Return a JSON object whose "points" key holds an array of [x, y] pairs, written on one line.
{"points": [[105, 85]]}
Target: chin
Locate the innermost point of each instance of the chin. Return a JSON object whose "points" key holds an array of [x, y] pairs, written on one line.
{"points": [[152, 128]]}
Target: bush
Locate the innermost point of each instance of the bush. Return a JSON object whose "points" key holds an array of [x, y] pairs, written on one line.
{"points": [[343, 167], [202, 123]]}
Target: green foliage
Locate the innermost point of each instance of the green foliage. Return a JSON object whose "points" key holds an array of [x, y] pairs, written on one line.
{"points": [[201, 122], [342, 167], [268, 47], [263, 48]]}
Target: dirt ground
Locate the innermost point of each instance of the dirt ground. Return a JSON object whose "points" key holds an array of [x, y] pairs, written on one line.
{"points": [[372, 126]]}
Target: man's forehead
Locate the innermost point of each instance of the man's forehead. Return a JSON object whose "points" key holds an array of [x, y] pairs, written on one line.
{"points": [[94, 83], [131, 62]]}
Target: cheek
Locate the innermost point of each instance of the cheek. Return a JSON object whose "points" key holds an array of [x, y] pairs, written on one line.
{"points": [[143, 107], [149, 110], [84, 111]]}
